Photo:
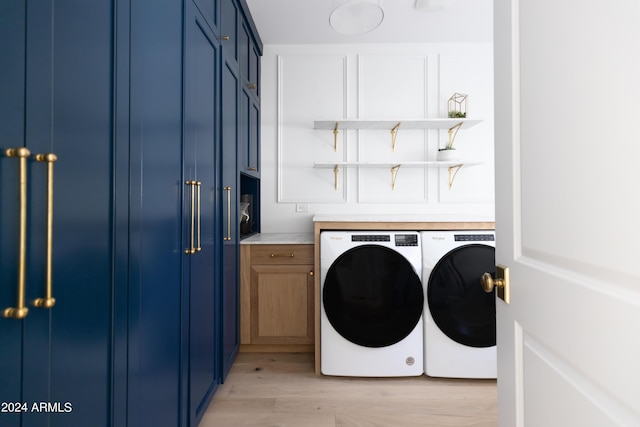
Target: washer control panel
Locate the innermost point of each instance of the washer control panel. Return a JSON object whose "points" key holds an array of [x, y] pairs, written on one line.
{"points": [[406, 240], [474, 237]]}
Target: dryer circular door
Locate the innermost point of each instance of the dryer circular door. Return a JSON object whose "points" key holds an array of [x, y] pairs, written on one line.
{"points": [[457, 303], [372, 296]]}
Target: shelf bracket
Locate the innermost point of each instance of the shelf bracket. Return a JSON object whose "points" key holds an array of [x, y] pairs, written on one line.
{"points": [[335, 137], [453, 131], [394, 173], [336, 170], [394, 132], [453, 171]]}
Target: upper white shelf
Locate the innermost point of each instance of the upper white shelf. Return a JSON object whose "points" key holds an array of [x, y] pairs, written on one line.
{"points": [[443, 123]]}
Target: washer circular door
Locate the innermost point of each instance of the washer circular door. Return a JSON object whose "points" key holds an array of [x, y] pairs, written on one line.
{"points": [[372, 296], [457, 303]]}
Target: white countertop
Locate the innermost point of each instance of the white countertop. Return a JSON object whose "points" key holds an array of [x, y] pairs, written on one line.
{"points": [[279, 239], [400, 218]]}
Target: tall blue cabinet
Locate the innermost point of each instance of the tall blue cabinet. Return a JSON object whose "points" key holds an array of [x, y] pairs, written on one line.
{"points": [[63, 266], [118, 299]]}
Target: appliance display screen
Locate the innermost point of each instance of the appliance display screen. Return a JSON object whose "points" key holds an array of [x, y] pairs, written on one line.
{"points": [[406, 240]]}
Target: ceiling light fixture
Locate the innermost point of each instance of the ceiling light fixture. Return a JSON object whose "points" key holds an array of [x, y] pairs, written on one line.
{"points": [[353, 17]]}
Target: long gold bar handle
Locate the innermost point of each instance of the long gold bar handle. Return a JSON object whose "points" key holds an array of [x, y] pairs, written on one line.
{"points": [[191, 249], [228, 190], [20, 311], [198, 247], [48, 301]]}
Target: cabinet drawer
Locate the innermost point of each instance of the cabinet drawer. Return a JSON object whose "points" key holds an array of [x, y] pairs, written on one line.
{"points": [[281, 254]]}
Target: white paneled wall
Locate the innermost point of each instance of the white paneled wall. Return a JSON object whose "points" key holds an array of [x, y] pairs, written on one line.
{"points": [[303, 83]]}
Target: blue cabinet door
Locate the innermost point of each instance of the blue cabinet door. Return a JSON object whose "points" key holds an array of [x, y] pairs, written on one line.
{"points": [[154, 317], [210, 11], [230, 338], [229, 31], [201, 204], [58, 67], [248, 134]]}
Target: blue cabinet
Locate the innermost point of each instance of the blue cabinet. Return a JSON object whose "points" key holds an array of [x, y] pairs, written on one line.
{"points": [[248, 143], [209, 10], [230, 332], [59, 363], [136, 102], [155, 317], [201, 164], [230, 15]]}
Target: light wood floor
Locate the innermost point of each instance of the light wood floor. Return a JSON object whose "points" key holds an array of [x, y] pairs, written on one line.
{"points": [[280, 389]]}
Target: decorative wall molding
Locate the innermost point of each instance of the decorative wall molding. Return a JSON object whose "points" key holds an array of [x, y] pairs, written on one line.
{"points": [[326, 82]]}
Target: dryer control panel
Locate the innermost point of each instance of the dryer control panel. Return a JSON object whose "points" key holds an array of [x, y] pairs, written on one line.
{"points": [[371, 238]]}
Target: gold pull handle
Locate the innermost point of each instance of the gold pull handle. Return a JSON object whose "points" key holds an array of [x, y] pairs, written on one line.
{"points": [[252, 169], [252, 86], [500, 283], [191, 249], [48, 301], [20, 311], [224, 38], [228, 190], [198, 247], [311, 273], [281, 255]]}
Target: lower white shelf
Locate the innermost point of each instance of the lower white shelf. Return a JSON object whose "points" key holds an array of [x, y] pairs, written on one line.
{"points": [[453, 166]]}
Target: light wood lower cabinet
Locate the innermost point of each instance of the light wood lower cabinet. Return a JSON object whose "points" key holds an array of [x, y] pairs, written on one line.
{"points": [[276, 297]]}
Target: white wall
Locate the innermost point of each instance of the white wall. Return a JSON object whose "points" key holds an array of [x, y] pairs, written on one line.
{"points": [[303, 83]]}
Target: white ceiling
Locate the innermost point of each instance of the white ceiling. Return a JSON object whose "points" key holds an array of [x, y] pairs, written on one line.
{"points": [[307, 21]]}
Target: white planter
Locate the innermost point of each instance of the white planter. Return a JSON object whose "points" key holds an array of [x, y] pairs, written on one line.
{"points": [[447, 155]]}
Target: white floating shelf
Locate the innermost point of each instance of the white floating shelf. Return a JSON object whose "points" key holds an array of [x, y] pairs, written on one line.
{"points": [[443, 123], [447, 164], [452, 166]]}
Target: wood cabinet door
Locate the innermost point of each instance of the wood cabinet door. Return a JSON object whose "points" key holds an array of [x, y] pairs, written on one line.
{"points": [[281, 304]]}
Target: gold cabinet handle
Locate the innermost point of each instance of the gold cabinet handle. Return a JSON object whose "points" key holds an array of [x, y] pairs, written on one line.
{"points": [[191, 249], [252, 86], [282, 255], [228, 190], [48, 301], [198, 247], [20, 311], [224, 38], [311, 273]]}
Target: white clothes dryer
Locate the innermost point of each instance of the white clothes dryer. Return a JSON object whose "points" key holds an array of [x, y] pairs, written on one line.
{"points": [[372, 304], [460, 318]]}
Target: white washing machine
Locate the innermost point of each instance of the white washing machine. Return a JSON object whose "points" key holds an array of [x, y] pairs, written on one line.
{"points": [[460, 318], [372, 303]]}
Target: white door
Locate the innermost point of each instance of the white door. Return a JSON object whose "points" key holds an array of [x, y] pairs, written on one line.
{"points": [[568, 211]]}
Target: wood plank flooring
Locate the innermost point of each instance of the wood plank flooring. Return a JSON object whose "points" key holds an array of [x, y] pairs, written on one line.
{"points": [[281, 389]]}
